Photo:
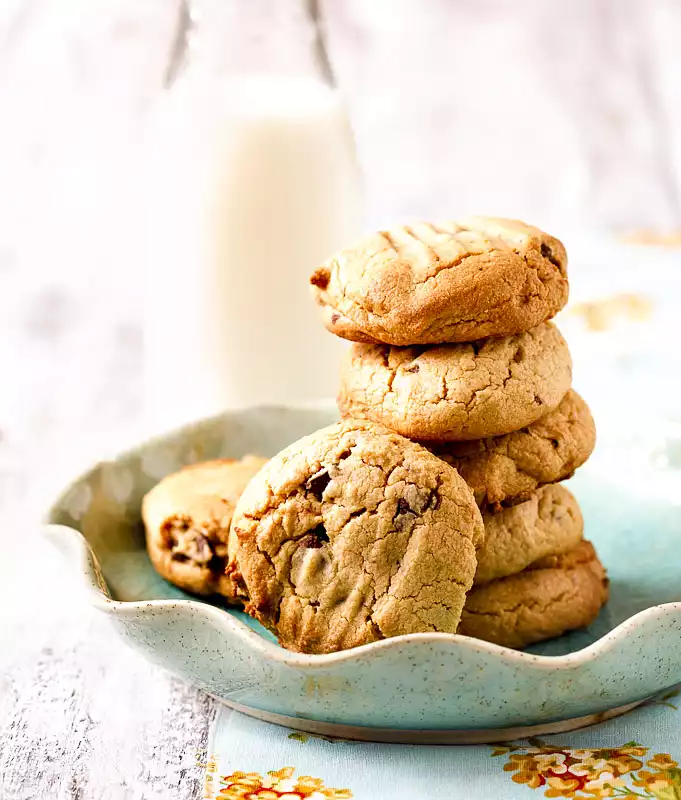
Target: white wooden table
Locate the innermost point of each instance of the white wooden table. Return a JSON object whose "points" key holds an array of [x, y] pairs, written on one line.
{"points": [[551, 111]]}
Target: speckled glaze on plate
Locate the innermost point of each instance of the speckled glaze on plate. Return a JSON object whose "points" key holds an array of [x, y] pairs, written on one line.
{"points": [[423, 687]]}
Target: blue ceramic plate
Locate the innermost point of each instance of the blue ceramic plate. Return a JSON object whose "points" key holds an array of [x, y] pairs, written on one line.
{"points": [[424, 687]]}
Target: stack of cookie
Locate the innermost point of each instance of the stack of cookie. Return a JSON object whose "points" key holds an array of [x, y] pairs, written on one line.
{"points": [[436, 503], [453, 349]]}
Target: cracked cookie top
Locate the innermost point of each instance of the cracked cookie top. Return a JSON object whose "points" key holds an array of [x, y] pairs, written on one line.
{"points": [[187, 517], [452, 282], [504, 470], [455, 392], [354, 534]]}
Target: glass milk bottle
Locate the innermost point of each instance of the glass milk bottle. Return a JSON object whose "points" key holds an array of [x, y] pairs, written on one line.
{"points": [[253, 184]]}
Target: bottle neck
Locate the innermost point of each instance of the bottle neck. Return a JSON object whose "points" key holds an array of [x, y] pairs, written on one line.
{"points": [[235, 38]]}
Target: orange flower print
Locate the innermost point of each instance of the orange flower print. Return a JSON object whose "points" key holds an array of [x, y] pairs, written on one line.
{"points": [[633, 749], [561, 786], [653, 781], [278, 784], [604, 785], [663, 782], [553, 762], [589, 765], [661, 762], [598, 773], [525, 770], [623, 763]]}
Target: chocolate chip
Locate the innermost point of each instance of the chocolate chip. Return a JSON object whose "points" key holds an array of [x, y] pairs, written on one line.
{"points": [[519, 355], [477, 347], [171, 527], [413, 368], [314, 539], [311, 542], [335, 318], [538, 400], [320, 278], [318, 483], [181, 557], [547, 252], [203, 552], [169, 539], [401, 521], [403, 515], [433, 501], [403, 507], [555, 443]]}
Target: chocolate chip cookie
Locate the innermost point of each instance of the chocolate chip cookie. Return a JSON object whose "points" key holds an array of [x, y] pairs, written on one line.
{"points": [[352, 535], [455, 392], [548, 524], [504, 470], [453, 282], [187, 518], [554, 595]]}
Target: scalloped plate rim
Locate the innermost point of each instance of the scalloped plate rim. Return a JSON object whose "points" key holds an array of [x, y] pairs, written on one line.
{"points": [[57, 534]]}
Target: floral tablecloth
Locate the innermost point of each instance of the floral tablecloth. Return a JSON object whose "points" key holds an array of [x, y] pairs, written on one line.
{"points": [[634, 756]]}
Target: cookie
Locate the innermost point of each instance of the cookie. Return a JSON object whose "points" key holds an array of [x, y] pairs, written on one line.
{"points": [[554, 595], [455, 392], [352, 535], [187, 518], [454, 282], [549, 523], [507, 469]]}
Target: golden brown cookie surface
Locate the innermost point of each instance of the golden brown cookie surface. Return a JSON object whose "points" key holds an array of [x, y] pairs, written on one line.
{"points": [[458, 391], [508, 469], [354, 534], [453, 282], [187, 517], [554, 595], [549, 523]]}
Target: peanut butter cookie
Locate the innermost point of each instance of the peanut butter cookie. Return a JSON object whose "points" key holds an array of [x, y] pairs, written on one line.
{"points": [[454, 282], [504, 470], [548, 524], [354, 534], [187, 518], [456, 392], [554, 595]]}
